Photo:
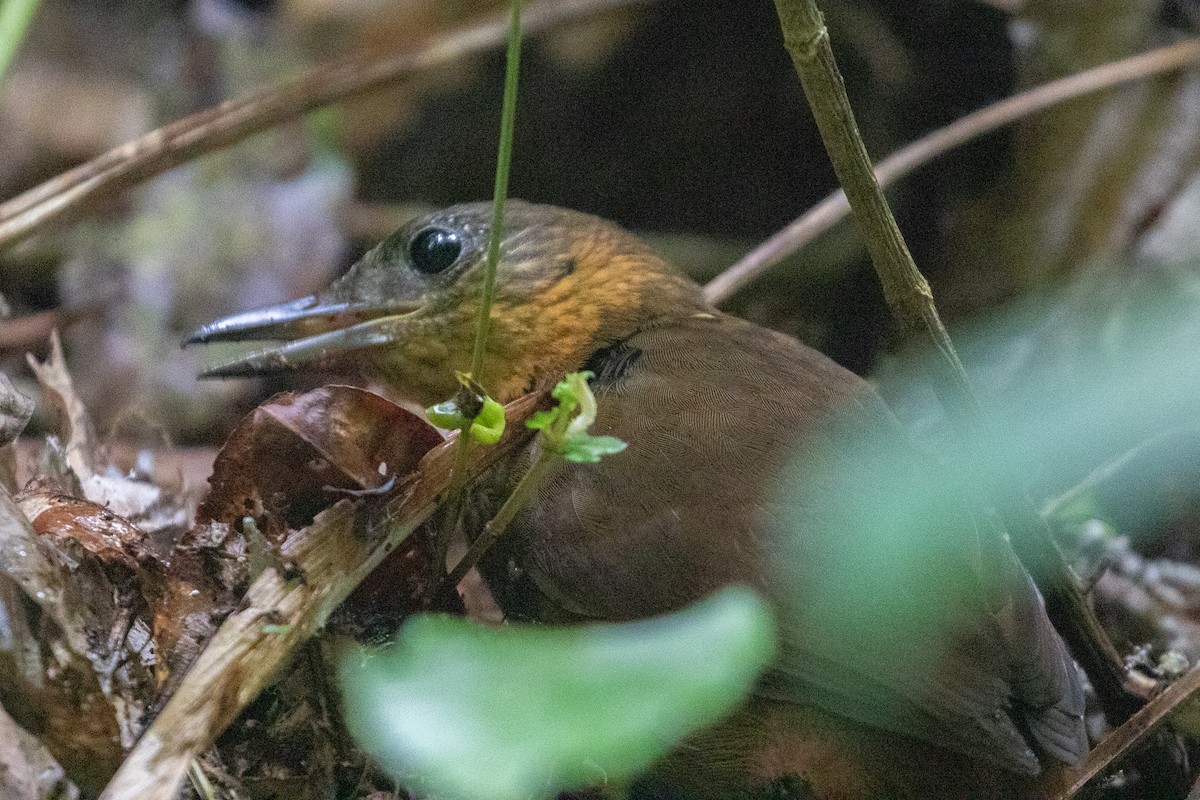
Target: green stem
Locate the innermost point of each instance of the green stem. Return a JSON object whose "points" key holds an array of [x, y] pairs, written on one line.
{"points": [[503, 160], [508, 118], [521, 494], [15, 16]]}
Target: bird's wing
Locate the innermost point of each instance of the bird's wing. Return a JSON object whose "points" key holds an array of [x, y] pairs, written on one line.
{"points": [[680, 512], [900, 614]]}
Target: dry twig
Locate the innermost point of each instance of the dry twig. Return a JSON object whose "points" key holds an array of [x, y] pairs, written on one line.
{"points": [[834, 208], [1134, 731], [230, 122]]}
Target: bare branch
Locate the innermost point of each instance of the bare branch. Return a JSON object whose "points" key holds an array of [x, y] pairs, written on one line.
{"points": [[230, 122], [834, 208]]}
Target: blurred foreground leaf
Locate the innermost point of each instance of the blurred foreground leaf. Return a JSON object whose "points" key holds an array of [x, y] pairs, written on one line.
{"points": [[15, 16], [467, 711]]}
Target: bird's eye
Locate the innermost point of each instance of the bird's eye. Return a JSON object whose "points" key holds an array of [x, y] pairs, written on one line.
{"points": [[433, 250]]}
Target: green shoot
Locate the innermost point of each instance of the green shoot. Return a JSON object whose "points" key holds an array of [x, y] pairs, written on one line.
{"points": [[564, 434], [503, 160], [565, 427], [470, 411]]}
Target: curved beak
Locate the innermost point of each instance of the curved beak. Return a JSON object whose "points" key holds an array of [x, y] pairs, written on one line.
{"points": [[311, 331]]}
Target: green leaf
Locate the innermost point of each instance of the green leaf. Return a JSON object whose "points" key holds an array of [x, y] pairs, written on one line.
{"points": [[466, 711], [447, 415], [585, 449], [565, 427], [486, 428], [542, 419]]}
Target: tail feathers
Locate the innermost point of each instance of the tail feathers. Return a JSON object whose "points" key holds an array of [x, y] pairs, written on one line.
{"points": [[1047, 685]]}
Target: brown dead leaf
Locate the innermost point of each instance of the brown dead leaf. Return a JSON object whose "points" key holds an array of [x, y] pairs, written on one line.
{"points": [[109, 537], [296, 455], [179, 595], [290, 457], [73, 669], [124, 616]]}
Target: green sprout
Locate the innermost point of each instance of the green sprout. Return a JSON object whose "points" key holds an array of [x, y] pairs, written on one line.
{"points": [[565, 427], [564, 432], [470, 410]]}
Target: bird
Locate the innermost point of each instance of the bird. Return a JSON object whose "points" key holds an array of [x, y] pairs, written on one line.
{"points": [[910, 664]]}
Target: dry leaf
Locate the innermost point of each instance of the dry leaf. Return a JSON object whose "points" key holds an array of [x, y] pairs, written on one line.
{"points": [[15, 410], [290, 457], [73, 671]]}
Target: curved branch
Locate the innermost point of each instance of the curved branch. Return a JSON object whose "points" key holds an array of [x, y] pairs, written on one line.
{"points": [[234, 120], [834, 208]]}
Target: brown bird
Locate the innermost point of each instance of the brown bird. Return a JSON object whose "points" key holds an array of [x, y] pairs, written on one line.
{"points": [[908, 667]]}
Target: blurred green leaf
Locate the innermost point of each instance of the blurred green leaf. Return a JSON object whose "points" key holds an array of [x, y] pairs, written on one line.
{"points": [[15, 16], [588, 449], [466, 711]]}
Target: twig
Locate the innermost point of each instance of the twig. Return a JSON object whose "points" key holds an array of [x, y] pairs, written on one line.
{"points": [[234, 120], [1133, 731], [834, 208], [277, 615], [200, 782], [907, 292], [911, 302], [522, 493]]}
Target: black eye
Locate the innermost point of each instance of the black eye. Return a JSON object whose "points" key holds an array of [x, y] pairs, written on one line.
{"points": [[434, 250]]}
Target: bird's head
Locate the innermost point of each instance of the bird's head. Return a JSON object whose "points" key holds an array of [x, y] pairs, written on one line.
{"points": [[567, 285]]}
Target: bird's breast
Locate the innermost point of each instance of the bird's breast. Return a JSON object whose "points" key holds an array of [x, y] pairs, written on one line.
{"points": [[710, 409]]}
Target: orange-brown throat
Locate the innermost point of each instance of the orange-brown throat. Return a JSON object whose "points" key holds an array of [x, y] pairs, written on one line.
{"points": [[615, 287]]}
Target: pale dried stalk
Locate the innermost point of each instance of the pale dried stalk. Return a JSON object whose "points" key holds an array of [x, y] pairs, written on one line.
{"points": [[234, 120]]}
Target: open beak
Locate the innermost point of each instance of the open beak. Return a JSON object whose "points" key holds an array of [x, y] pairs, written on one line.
{"points": [[311, 332]]}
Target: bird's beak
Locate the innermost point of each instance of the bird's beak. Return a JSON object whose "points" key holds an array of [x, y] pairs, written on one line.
{"points": [[312, 331]]}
